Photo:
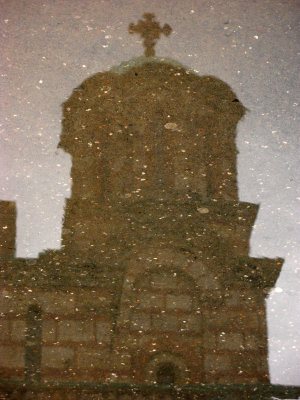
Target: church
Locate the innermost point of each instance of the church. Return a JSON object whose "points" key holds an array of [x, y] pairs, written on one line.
{"points": [[153, 286]]}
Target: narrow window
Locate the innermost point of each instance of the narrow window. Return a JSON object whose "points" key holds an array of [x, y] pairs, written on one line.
{"points": [[33, 344]]}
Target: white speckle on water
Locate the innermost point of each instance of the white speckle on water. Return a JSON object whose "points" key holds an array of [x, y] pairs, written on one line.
{"points": [[172, 126], [203, 210]]}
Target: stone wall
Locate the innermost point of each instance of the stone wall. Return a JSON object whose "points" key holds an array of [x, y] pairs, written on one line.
{"points": [[75, 333], [210, 338]]}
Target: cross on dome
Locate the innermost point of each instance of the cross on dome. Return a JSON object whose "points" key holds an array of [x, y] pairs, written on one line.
{"points": [[150, 30]]}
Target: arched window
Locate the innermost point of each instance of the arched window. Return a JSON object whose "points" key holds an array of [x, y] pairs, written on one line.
{"points": [[168, 369], [166, 373]]}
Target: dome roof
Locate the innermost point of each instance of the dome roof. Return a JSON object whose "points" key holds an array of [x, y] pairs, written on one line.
{"points": [[150, 111]]}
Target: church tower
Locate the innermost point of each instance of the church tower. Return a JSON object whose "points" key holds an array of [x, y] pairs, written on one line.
{"points": [[155, 196]]}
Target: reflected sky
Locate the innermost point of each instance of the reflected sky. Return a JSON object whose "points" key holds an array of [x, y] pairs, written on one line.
{"points": [[51, 47]]}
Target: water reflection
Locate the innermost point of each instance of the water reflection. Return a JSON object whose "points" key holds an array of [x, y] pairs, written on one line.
{"points": [[153, 283]]}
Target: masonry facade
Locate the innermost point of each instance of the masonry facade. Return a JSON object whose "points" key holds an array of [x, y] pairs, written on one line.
{"points": [[153, 282]]}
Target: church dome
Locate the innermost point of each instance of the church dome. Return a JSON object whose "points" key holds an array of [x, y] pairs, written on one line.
{"points": [[152, 125]]}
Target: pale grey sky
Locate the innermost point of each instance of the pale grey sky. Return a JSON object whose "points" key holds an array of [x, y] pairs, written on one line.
{"points": [[51, 47]]}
